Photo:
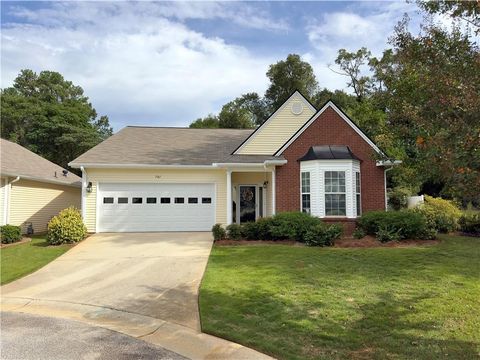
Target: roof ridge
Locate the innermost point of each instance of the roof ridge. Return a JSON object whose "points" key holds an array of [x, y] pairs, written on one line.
{"points": [[182, 128]]}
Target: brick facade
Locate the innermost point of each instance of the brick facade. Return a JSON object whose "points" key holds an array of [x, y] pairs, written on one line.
{"points": [[330, 129]]}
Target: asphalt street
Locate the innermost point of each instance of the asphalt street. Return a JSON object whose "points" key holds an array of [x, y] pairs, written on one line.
{"points": [[25, 337]]}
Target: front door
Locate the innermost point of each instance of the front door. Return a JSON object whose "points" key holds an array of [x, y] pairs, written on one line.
{"points": [[248, 203]]}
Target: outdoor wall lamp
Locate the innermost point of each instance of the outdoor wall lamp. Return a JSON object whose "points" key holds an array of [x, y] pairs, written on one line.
{"points": [[89, 187]]}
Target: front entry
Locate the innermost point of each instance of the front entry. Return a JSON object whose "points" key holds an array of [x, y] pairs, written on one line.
{"points": [[251, 203], [248, 203]]}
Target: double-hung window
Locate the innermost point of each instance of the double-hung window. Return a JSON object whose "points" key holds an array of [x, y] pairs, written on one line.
{"points": [[306, 192], [357, 194], [335, 193]]}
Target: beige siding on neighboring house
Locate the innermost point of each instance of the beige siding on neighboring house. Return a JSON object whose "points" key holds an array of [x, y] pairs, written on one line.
{"points": [[3, 193], [166, 176], [278, 129], [37, 202]]}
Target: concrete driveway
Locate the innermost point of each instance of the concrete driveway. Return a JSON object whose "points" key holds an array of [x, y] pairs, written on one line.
{"points": [[141, 284], [151, 274]]}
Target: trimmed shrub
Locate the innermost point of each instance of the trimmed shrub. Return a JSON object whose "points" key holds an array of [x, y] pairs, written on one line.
{"points": [[322, 234], [66, 227], [218, 232], [470, 224], [234, 231], [409, 224], [10, 234], [292, 225], [398, 198], [358, 233], [259, 230], [388, 233], [440, 214]]}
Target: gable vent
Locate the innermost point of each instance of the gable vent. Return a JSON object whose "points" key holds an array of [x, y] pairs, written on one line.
{"points": [[297, 108]]}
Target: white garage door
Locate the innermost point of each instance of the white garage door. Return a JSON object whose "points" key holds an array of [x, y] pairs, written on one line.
{"points": [[156, 207]]}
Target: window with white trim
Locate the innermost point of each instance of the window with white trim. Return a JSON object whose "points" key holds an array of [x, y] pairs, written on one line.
{"points": [[335, 193], [305, 188], [357, 194]]}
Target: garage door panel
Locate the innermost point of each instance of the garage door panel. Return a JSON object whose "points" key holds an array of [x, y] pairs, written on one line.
{"points": [[158, 216]]}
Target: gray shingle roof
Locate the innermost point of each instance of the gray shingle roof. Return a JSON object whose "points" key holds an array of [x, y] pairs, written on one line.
{"points": [[169, 146], [15, 160]]}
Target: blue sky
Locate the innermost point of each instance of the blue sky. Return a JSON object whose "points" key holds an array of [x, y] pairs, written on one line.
{"points": [[166, 64]]}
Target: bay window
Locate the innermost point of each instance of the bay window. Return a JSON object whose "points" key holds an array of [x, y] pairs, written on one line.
{"points": [[305, 178], [358, 200], [335, 193]]}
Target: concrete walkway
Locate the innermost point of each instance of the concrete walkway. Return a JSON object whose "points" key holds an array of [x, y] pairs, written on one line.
{"points": [[143, 285]]}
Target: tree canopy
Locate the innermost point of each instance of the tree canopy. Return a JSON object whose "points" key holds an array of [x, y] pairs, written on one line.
{"points": [[51, 116]]}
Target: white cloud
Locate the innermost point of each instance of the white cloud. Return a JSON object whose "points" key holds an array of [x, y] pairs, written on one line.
{"points": [[136, 65], [350, 30]]}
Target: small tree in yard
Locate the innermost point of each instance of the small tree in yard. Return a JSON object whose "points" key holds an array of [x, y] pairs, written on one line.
{"points": [[66, 227]]}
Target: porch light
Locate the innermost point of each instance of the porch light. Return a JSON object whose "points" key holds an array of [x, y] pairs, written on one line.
{"points": [[265, 183], [89, 187]]}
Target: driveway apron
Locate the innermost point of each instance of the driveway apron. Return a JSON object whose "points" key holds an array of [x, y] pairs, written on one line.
{"points": [[151, 274]]}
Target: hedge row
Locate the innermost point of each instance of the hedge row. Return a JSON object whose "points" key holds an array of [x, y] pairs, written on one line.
{"points": [[296, 226]]}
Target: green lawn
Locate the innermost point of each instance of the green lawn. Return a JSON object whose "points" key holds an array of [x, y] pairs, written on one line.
{"points": [[331, 303], [19, 260]]}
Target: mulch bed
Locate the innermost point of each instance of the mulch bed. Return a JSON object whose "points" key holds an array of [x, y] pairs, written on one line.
{"points": [[370, 242], [24, 240], [257, 242], [366, 242]]}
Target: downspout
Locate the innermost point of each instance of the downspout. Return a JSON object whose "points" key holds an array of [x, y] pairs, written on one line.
{"points": [[84, 192], [6, 203], [385, 181]]}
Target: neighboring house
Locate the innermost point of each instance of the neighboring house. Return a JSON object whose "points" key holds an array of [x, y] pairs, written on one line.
{"points": [[33, 189], [182, 179]]}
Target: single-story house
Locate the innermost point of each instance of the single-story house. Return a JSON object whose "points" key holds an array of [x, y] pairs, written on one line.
{"points": [[183, 179], [33, 189]]}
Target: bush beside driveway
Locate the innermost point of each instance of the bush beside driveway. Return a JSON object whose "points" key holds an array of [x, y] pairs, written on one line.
{"points": [[314, 303]]}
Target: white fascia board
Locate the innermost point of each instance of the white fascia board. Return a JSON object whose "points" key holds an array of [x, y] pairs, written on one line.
{"points": [[48, 181], [139, 166], [252, 136], [342, 115], [259, 165], [388, 162]]}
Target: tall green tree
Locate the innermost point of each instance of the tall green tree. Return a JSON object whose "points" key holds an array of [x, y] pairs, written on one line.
{"points": [[51, 116], [208, 122], [289, 75], [431, 87], [351, 64], [468, 11]]}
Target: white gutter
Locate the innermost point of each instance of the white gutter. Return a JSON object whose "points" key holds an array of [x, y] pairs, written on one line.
{"points": [[213, 166], [259, 165], [49, 181], [6, 201], [84, 193], [138, 166]]}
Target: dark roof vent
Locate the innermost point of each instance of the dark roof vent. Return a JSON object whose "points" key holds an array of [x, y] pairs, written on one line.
{"points": [[328, 152]]}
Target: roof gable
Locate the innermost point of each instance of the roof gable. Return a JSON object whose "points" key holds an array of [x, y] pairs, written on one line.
{"points": [[330, 104], [278, 127]]}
